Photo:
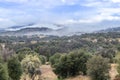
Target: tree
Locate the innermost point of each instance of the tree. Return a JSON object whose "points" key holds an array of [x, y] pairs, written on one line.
{"points": [[43, 59], [21, 53], [3, 72], [55, 58], [1, 59], [31, 65], [98, 68], [71, 64], [14, 68], [118, 68], [109, 53], [6, 53], [25, 50]]}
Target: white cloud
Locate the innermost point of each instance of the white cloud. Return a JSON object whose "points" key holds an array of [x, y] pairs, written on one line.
{"points": [[92, 4], [1, 19], [38, 10], [63, 1], [16, 1], [104, 11], [115, 1], [110, 11], [95, 19], [6, 23]]}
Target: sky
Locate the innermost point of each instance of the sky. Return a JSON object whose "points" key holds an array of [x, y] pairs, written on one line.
{"points": [[105, 13]]}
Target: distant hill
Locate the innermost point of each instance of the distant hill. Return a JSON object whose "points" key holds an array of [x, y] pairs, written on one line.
{"points": [[42, 29], [38, 29], [21, 26], [117, 29], [27, 31]]}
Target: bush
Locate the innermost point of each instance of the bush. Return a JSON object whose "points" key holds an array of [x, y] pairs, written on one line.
{"points": [[31, 65], [3, 72], [43, 59], [55, 58], [14, 68], [98, 68], [71, 64]]}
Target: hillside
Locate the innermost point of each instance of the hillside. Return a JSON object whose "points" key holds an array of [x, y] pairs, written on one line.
{"points": [[117, 29], [27, 31]]}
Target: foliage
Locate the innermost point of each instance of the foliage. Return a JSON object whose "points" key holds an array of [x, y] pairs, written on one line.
{"points": [[1, 59], [6, 54], [98, 68], [31, 64], [14, 68], [43, 59], [109, 53], [55, 58], [3, 72], [118, 68], [65, 65], [71, 64], [23, 52]]}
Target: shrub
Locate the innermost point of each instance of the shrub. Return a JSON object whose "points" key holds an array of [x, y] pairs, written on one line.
{"points": [[71, 64], [98, 68], [14, 68]]}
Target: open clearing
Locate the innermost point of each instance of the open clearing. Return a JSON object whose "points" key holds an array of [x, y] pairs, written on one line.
{"points": [[113, 72], [47, 73], [79, 78]]}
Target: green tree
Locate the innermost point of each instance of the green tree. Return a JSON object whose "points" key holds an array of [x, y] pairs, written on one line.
{"points": [[71, 64], [3, 72], [21, 53], [14, 68], [55, 58], [43, 59], [98, 68], [31, 65], [1, 59], [109, 53], [118, 68]]}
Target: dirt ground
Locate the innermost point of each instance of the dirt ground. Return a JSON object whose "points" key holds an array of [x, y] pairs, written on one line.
{"points": [[47, 73], [113, 72], [79, 78]]}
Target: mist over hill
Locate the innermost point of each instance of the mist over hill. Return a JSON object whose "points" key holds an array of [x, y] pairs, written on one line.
{"points": [[54, 29]]}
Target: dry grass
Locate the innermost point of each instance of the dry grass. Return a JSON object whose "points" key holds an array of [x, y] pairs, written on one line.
{"points": [[113, 72], [79, 78], [47, 73]]}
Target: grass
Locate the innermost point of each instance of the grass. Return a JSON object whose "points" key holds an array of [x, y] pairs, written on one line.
{"points": [[79, 78]]}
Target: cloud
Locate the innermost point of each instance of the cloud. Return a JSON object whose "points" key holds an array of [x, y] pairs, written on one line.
{"points": [[115, 1], [63, 1], [96, 19], [5, 23], [58, 11]]}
